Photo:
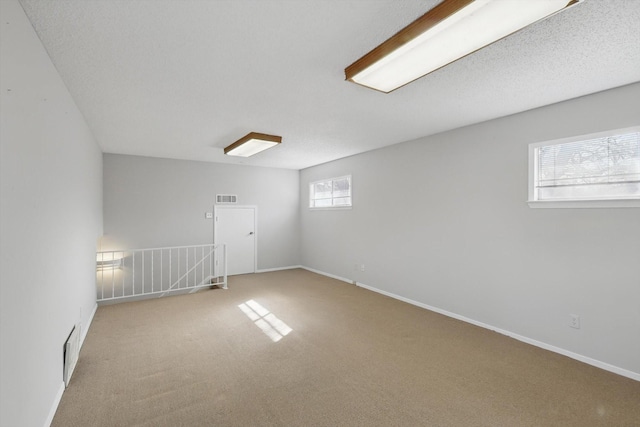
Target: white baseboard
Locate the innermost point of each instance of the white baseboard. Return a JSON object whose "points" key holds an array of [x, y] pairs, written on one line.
{"points": [[54, 407], [85, 330], [564, 352], [333, 276], [56, 402], [267, 270]]}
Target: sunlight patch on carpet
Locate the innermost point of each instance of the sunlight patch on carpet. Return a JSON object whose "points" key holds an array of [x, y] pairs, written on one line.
{"points": [[268, 323]]}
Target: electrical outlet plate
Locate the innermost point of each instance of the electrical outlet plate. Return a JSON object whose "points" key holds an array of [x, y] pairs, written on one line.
{"points": [[574, 321]]}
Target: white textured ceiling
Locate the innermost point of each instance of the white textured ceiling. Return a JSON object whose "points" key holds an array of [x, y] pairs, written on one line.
{"points": [[184, 78]]}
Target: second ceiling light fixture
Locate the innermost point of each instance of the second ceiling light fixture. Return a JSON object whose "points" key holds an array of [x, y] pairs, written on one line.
{"points": [[251, 144], [451, 30]]}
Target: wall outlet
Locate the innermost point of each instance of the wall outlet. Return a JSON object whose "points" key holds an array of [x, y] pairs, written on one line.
{"points": [[208, 215], [574, 321], [361, 267]]}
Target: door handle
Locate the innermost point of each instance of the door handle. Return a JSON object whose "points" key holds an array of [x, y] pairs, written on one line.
{"points": [[250, 233]]}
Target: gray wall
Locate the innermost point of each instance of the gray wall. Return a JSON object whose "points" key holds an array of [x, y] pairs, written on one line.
{"points": [[50, 220], [151, 202], [443, 221]]}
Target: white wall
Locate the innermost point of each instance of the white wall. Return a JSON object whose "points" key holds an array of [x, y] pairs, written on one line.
{"points": [[152, 202], [443, 221], [50, 219]]}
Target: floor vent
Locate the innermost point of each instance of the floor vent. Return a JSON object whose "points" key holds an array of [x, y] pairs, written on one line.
{"points": [[226, 198], [71, 352]]}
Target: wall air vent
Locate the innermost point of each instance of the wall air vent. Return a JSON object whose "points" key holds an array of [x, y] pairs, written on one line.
{"points": [[226, 198], [70, 354]]}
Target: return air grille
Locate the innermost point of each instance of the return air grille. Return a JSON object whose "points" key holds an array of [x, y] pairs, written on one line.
{"points": [[226, 198], [71, 351]]}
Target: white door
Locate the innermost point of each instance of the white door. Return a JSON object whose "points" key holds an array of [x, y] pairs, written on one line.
{"points": [[235, 226]]}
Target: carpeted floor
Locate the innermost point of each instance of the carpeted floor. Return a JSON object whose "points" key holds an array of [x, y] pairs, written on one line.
{"points": [[293, 348]]}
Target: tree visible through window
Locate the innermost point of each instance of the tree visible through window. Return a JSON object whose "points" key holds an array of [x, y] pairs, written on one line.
{"points": [[330, 193], [601, 168]]}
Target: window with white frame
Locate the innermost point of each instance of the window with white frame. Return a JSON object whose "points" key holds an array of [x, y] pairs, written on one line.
{"points": [[330, 193], [593, 170]]}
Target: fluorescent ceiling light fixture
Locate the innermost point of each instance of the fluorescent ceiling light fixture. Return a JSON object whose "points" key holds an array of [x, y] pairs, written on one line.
{"points": [[451, 30], [251, 144]]}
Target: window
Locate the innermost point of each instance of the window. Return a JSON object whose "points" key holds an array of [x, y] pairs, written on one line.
{"points": [[597, 170], [330, 193]]}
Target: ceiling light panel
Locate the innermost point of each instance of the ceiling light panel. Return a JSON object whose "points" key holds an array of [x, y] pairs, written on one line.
{"points": [[251, 144], [450, 31]]}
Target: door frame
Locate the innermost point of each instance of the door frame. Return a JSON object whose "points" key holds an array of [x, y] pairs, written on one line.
{"points": [[217, 208]]}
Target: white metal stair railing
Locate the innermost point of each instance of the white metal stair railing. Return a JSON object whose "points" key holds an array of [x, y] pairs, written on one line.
{"points": [[135, 273]]}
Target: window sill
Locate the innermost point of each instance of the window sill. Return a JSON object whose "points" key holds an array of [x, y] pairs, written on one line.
{"points": [[572, 204], [331, 208]]}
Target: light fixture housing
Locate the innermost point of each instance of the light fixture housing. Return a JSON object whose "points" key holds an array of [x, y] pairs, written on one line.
{"points": [[251, 144], [450, 31], [108, 261]]}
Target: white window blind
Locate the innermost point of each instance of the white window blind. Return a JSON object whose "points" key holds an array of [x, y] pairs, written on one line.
{"points": [[601, 168], [330, 193]]}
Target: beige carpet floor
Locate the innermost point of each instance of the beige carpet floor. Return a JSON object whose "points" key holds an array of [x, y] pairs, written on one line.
{"points": [[293, 348]]}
